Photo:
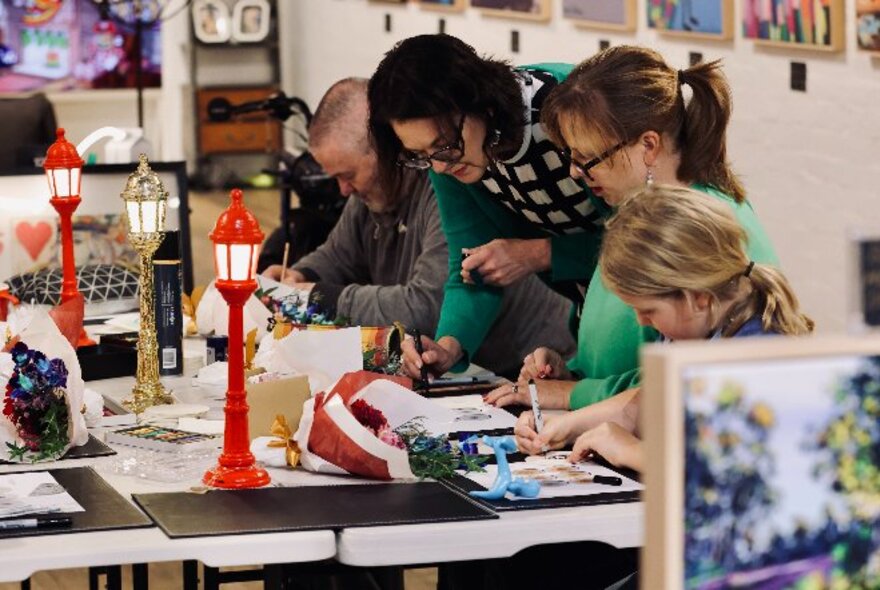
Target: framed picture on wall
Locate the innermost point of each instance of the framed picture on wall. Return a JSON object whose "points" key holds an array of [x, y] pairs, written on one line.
{"points": [[616, 15], [250, 20], [528, 9], [211, 21], [710, 19], [798, 24], [446, 5], [868, 25]]}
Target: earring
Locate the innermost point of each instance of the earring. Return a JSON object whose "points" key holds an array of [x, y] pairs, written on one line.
{"points": [[496, 138], [649, 177]]}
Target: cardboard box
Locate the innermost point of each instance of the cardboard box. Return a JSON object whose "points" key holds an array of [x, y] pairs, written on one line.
{"points": [[267, 400]]}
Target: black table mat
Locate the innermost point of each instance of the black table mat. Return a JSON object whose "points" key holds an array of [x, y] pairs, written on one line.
{"points": [[105, 508], [462, 484], [92, 448], [269, 510]]}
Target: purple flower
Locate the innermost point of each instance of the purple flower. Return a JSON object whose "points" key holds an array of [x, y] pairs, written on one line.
{"points": [[20, 353]]}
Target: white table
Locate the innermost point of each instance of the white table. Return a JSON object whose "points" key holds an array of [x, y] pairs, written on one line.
{"points": [[620, 525]]}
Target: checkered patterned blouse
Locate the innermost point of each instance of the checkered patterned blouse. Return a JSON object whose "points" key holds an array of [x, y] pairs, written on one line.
{"points": [[535, 183]]}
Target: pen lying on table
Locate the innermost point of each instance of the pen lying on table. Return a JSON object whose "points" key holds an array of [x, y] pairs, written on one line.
{"points": [[35, 523]]}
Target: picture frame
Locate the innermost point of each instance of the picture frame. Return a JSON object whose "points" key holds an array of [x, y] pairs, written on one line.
{"points": [[536, 10], [701, 19], [771, 403], [612, 15], [443, 5], [211, 21], [816, 25], [251, 20], [868, 26]]}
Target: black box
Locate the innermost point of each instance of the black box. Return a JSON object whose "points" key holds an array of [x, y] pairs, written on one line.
{"points": [[115, 356]]}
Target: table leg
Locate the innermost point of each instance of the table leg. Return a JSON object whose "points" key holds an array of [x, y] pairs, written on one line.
{"points": [[273, 577], [190, 575], [140, 576], [212, 577]]}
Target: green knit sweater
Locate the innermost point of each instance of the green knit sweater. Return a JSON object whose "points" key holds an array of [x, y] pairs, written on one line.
{"points": [[609, 337], [471, 217]]}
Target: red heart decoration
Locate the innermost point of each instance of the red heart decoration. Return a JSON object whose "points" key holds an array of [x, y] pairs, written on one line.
{"points": [[33, 237]]}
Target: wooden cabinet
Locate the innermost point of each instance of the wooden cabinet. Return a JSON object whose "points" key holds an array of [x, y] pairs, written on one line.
{"points": [[255, 132]]}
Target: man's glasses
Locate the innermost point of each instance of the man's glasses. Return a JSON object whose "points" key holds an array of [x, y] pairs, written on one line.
{"points": [[449, 154], [585, 168]]}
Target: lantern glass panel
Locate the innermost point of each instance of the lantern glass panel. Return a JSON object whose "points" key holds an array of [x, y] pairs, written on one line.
{"points": [[62, 182], [241, 258], [75, 180], [221, 261]]}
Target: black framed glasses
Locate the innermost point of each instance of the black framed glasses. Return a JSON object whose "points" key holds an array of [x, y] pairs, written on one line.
{"points": [[585, 168], [448, 154]]}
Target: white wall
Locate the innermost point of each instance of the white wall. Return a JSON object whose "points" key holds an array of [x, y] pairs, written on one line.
{"points": [[811, 161]]}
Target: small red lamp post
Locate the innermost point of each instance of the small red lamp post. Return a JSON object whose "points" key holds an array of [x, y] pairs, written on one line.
{"points": [[237, 238], [63, 168]]}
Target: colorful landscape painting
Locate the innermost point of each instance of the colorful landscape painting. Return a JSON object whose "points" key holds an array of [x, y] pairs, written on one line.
{"points": [[782, 476], [530, 9], [692, 17], [816, 24]]}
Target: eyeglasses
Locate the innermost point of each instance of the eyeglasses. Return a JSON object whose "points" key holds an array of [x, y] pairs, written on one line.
{"points": [[449, 154], [586, 167]]}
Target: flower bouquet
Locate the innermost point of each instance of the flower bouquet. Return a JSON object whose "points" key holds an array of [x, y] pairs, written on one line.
{"points": [[371, 425], [42, 390]]}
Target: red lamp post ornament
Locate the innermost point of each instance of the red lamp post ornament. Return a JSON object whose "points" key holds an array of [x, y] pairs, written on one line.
{"points": [[237, 238], [63, 168]]}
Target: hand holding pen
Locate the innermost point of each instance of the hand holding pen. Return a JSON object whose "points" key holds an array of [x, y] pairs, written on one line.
{"points": [[423, 370], [554, 434]]}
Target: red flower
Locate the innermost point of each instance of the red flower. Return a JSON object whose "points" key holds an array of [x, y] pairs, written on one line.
{"points": [[368, 416]]}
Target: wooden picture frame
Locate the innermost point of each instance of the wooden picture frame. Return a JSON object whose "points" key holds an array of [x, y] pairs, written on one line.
{"points": [[535, 10], [868, 26], [773, 384], [251, 21], [443, 5], [711, 20], [801, 24], [211, 20], [609, 15]]}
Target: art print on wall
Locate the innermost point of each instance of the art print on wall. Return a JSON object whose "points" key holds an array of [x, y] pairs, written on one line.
{"points": [[701, 18], [250, 20], [447, 5], [782, 487], [528, 9], [617, 15], [211, 21], [868, 24], [804, 24]]}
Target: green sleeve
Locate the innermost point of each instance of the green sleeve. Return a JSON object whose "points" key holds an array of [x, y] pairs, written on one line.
{"points": [[591, 391], [468, 311], [574, 256]]}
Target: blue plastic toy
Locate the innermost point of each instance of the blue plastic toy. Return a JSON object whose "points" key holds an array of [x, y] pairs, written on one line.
{"points": [[504, 481]]}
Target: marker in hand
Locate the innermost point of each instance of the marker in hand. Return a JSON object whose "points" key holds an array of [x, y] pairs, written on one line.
{"points": [[417, 341], [536, 409]]}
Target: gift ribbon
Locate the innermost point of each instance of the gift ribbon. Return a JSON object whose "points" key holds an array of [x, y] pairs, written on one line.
{"points": [[283, 432]]}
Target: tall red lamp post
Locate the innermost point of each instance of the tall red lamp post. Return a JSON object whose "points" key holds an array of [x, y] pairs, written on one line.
{"points": [[63, 168], [237, 238]]}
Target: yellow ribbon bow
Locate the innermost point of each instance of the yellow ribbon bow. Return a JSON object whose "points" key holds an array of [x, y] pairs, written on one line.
{"points": [[283, 432]]}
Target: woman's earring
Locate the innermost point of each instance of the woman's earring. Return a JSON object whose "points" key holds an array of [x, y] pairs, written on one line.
{"points": [[496, 139], [649, 178]]}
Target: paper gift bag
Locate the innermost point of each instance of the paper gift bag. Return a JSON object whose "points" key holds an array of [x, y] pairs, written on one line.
{"points": [[270, 398]]}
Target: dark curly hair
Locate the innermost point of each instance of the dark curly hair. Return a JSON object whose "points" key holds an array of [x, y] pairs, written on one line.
{"points": [[442, 77]]}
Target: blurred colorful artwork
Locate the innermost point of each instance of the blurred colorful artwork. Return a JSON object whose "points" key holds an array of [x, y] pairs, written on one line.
{"points": [[604, 14], [868, 24], [529, 9], [449, 5], [692, 17], [816, 24], [61, 45], [782, 475]]}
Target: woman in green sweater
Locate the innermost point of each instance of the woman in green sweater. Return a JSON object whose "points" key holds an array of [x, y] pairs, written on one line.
{"points": [[508, 205], [625, 122]]}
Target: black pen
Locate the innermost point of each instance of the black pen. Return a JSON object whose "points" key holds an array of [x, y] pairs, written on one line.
{"points": [[417, 338], [35, 523], [608, 480]]}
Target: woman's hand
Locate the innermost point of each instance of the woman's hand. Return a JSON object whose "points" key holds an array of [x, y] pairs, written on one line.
{"points": [[437, 356], [291, 277], [544, 362], [613, 442], [554, 435], [552, 394], [504, 262]]}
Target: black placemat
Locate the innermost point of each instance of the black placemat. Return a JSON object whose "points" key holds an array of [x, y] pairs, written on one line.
{"points": [[92, 448], [464, 485], [105, 508], [270, 510]]}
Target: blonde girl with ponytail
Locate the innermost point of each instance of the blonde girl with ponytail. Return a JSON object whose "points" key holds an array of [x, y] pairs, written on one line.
{"points": [[677, 256]]}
